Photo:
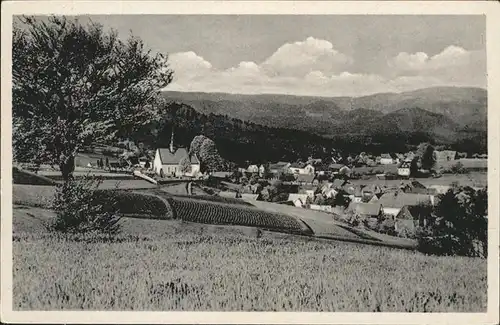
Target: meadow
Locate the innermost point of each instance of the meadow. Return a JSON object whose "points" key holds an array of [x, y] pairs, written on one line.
{"points": [[174, 265]]}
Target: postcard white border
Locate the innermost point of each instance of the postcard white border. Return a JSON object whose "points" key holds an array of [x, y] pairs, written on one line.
{"points": [[490, 8]]}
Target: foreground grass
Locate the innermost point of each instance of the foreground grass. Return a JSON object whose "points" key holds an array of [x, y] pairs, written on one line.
{"points": [[170, 265]]}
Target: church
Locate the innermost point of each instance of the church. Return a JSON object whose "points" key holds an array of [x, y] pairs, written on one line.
{"points": [[167, 161]]}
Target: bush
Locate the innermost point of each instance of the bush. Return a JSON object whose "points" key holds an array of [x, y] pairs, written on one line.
{"points": [[77, 209], [459, 225], [127, 203]]}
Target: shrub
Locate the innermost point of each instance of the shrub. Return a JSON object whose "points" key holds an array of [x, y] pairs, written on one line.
{"points": [[127, 203], [459, 225], [77, 209]]}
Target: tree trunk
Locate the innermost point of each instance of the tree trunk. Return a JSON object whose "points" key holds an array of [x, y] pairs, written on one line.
{"points": [[67, 166]]}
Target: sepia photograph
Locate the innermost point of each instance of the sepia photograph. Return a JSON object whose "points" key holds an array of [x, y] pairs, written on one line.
{"points": [[225, 162]]}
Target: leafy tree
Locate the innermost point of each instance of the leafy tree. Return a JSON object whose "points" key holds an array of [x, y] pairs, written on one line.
{"points": [[414, 166], [74, 85], [196, 143], [206, 151], [78, 209], [460, 225], [341, 199], [185, 165], [425, 153]]}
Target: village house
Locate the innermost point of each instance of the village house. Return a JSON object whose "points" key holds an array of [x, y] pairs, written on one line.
{"points": [[345, 171], [387, 159], [404, 169], [338, 183], [334, 167], [415, 187], [299, 200], [365, 210], [168, 161], [305, 179], [309, 169], [445, 155], [410, 218], [357, 196], [409, 156], [328, 190], [393, 202], [279, 167], [301, 168], [254, 169]]}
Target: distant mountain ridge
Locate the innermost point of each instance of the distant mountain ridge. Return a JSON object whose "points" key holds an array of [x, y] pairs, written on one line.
{"points": [[441, 112]]}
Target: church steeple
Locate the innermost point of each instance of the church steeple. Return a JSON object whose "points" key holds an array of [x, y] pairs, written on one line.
{"points": [[172, 141]]}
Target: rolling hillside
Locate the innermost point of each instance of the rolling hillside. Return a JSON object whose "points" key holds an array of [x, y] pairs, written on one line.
{"points": [[455, 109]]}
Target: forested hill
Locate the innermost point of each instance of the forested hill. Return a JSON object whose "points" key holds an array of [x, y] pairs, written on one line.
{"points": [[241, 141]]}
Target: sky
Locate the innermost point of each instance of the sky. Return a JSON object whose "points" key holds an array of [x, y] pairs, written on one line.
{"points": [[326, 55]]}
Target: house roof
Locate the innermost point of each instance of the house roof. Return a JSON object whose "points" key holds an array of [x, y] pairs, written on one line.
{"points": [[278, 165], [392, 168], [412, 212], [297, 196], [307, 178], [169, 158], [405, 164], [335, 166], [399, 199], [221, 174], [441, 189], [337, 183], [445, 154], [385, 156], [249, 196], [297, 165], [365, 209]]}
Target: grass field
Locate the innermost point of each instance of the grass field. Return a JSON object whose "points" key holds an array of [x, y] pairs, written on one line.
{"points": [[170, 265]]}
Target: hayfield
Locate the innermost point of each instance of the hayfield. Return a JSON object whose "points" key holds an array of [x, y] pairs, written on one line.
{"points": [[172, 265]]}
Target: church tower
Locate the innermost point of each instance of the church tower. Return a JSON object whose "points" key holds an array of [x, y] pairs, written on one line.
{"points": [[172, 141]]}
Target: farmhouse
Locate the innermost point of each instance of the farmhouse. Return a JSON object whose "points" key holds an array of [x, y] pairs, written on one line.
{"points": [[393, 202], [167, 161], [404, 169], [411, 217], [387, 159], [366, 210]]}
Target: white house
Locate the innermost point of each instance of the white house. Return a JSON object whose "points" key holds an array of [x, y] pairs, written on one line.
{"points": [[386, 159], [167, 161], [262, 169], [404, 169], [253, 169], [309, 169]]}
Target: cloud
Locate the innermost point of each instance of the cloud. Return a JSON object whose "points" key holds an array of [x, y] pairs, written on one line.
{"points": [[300, 58], [452, 66], [187, 65], [452, 56], [312, 67]]}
